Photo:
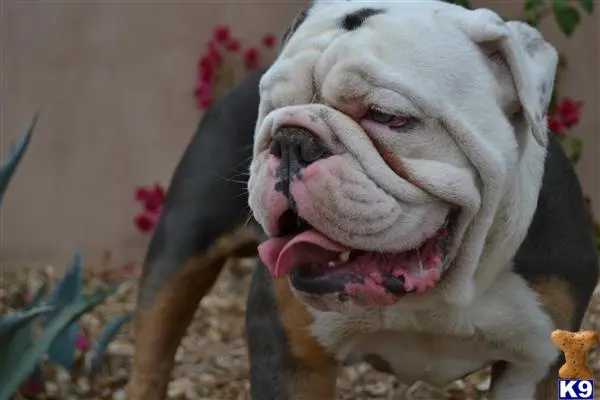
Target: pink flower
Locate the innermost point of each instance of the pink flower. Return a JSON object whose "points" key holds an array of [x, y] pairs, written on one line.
{"points": [[557, 126], [221, 33], [233, 45], [251, 58], [82, 343], [269, 41]]}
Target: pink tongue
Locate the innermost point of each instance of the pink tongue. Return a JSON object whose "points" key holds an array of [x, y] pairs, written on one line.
{"points": [[281, 255]]}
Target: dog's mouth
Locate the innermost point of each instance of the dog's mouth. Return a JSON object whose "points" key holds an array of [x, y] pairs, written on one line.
{"points": [[319, 266]]}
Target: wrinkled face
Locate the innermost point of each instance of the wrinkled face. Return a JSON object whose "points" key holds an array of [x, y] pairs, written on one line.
{"points": [[361, 181]]}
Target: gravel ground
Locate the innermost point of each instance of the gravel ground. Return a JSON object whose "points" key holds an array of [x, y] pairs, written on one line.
{"points": [[211, 362]]}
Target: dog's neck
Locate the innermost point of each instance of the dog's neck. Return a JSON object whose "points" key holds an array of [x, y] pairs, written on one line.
{"points": [[515, 213]]}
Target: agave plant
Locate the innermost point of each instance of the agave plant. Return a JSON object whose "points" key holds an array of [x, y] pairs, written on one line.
{"points": [[24, 344]]}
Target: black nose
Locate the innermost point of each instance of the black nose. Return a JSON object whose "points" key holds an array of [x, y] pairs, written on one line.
{"points": [[298, 146]]}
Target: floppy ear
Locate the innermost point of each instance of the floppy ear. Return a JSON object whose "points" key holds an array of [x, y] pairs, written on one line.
{"points": [[298, 20], [517, 53]]}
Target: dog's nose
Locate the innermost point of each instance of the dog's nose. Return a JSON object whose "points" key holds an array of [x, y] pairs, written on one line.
{"points": [[298, 147]]}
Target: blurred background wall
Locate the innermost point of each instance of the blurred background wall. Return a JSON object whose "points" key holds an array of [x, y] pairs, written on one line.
{"points": [[114, 81]]}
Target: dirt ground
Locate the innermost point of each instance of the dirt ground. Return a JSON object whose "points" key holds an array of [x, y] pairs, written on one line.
{"points": [[211, 362]]}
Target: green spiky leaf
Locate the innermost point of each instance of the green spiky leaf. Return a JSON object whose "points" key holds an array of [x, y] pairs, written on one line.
{"points": [[67, 291], [16, 335], [107, 335], [24, 337], [11, 324], [21, 370], [566, 16], [14, 157], [38, 298]]}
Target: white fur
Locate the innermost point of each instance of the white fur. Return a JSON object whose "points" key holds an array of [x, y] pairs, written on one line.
{"points": [[440, 345], [437, 61]]}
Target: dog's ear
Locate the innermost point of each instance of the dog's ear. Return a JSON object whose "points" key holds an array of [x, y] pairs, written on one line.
{"points": [[295, 24], [523, 62]]}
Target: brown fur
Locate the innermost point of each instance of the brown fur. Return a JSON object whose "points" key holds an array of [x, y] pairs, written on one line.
{"points": [[316, 378], [159, 327], [557, 300]]}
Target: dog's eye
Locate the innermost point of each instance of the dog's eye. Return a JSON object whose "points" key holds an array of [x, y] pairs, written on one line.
{"points": [[393, 121]]}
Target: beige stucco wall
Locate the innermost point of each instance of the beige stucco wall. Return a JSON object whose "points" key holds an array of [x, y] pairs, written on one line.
{"points": [[113, 81]]}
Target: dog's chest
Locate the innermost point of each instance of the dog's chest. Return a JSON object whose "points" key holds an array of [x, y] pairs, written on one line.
{"points": [[442, 344], [431, 358]]}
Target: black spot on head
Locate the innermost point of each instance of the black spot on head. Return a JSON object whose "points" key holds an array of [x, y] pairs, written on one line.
{"points": [[355, 19]]}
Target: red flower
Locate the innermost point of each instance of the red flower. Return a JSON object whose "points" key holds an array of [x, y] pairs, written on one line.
{"points": [[251, 58], [141, 194], [145, 221], [206, 76], [233, 45], [153, 198], [206, 66], [221, 33], [568, 111], [557, 126], [153, 203], [214, 53], [201, 87], [269, 41], [205, 100], [588, 200]]}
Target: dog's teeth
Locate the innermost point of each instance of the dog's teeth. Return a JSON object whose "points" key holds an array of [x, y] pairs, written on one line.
{"points": [[331, 263], [344, 257]]}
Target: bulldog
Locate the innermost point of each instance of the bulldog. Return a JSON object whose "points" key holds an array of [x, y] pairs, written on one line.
{"points": [[413, 210]]}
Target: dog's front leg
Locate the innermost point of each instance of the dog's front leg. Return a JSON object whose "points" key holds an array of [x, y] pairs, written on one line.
{"points": [[532, 380], [517, 381], [286, 362]]}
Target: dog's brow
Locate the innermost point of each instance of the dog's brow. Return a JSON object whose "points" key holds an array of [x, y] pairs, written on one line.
{"points": [[355, 19]]}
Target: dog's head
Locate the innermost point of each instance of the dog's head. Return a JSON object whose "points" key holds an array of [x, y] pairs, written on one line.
{"points": [[399, 151]]}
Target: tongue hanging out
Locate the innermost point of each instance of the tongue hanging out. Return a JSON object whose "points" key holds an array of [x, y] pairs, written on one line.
{"points": [[317, 265]]}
